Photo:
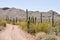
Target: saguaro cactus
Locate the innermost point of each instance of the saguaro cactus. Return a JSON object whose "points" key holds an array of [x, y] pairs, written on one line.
{"points": [[53, 19], [16, 19], [28, 26], [41, 17], [29, 18], [7, 18], [49, 18], [35, 20], [26, 14], [32, 19], [13, 21], [10, 20]]}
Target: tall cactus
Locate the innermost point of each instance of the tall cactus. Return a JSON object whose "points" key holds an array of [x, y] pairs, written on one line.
{"points": [[53, 19], [26, 14], [35, 20], [29, 18], [28, 23], [13, 21], [32, 19], [41, 17], [7, 18], [10, 20], [16, 19], [49, 18]]}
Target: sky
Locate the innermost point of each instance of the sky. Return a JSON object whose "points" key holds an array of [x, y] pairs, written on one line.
{"points": [[32, 5]]}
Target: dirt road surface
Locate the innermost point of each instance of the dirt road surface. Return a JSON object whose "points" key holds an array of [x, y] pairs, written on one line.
{"points": [[13, 32]]}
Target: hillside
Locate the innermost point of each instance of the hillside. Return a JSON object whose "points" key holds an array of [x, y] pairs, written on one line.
{"points": [[21, 14]]}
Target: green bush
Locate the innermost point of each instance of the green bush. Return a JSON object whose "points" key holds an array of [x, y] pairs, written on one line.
{"points": [[31, 28], [43, 27], [57, 29], [23, 25], [2, 23]]}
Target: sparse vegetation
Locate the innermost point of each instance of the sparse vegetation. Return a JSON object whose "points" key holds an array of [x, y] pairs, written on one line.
{"points": [[50, 37], [32, 26]]}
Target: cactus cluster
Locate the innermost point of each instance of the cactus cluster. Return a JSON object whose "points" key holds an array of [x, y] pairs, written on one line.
{"points": [[12, 20]]}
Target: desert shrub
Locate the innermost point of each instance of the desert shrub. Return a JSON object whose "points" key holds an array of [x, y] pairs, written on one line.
{"points": [[40, 35], [39, 27], [42, 27], [17, 23], [50, 37], [31, 28], [23, 25], [57, 29], [3, 23]]}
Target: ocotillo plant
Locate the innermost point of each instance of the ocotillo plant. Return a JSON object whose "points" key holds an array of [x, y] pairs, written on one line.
{"points": [[53, 19], [26, 14], [41, 17]]}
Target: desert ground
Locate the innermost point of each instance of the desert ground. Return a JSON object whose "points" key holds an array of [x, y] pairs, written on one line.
{"points": [[13, 32]]}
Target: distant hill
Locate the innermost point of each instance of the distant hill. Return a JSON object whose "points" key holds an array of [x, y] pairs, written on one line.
{"points": [[21, 14]]}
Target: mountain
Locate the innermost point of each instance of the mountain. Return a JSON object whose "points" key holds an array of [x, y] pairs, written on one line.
{"points": [[21, 14]]}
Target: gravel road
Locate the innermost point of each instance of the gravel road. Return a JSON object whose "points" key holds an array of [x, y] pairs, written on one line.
{"points": [[13, 32]]}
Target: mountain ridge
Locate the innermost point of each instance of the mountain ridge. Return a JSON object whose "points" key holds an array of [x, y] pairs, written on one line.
{"points": [[21, 14]]}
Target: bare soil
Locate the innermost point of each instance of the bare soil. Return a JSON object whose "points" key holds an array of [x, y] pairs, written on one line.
{"points": [[13, 32]]}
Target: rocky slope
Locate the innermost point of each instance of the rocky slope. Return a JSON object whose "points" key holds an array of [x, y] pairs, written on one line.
{"points": [[21, 14]]}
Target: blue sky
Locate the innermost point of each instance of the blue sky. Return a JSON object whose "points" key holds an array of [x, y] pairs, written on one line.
{"points": [[35, 5]]}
